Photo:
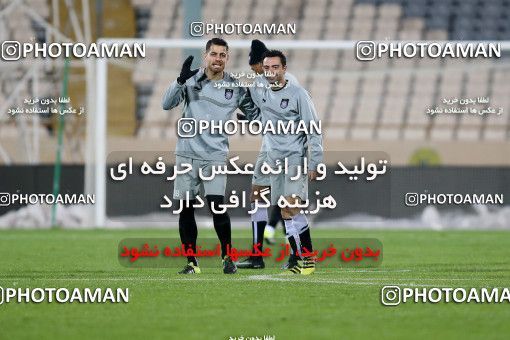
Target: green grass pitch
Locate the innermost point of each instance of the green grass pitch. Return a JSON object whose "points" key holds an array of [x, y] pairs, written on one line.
{"points": [[331, 304]]}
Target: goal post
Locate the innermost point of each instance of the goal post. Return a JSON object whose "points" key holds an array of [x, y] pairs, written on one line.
{"points": [[95, 171], [97, 139]]}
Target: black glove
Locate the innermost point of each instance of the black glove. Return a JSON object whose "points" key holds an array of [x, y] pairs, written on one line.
{"points": [[186, 71], [241, 116]]}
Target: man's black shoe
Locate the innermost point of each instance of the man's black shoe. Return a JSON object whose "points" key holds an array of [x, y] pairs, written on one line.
{"points": [[252, 262], [292, 262], [229, 266]]}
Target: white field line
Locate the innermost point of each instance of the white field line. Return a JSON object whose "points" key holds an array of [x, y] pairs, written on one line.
{"points": [[248, 278], [411, 282]]}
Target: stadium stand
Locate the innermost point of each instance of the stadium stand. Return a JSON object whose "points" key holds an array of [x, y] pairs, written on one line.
{"points": [[22, 21], [359, 100], [380, 100]]}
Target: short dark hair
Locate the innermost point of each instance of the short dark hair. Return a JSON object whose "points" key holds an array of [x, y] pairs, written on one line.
{"points": [[215, 41], [276, 53]]}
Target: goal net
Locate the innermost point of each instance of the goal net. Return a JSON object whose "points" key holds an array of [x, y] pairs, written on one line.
{"points": [[414, 110]]}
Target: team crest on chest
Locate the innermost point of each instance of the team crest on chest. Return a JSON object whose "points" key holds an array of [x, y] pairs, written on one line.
{"points": [[284, 103], [229, 93]]}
